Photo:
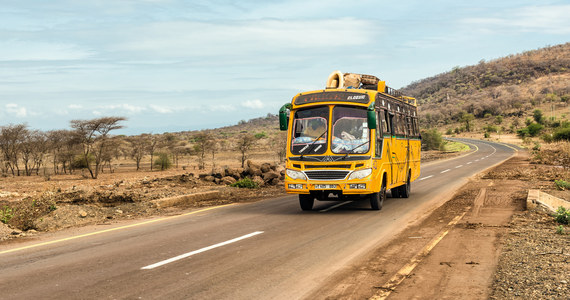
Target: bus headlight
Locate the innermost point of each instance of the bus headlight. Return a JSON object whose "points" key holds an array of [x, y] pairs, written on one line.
{"points": [[296, 174], [360, 174]]}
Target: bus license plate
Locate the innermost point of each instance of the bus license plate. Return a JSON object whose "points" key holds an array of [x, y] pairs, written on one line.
{"points": [[325, 186]]}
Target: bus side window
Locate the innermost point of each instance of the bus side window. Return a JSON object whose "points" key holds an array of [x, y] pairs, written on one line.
{"points": [[391, 128]]}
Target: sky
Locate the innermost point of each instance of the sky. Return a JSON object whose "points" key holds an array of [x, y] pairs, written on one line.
{"points": [[173, 65]]}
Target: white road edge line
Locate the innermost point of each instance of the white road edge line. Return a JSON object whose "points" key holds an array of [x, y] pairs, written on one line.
{"points": [[445, 171], [459, 166], [179, 257], [335, 206], [430, 176], [469, 163]]}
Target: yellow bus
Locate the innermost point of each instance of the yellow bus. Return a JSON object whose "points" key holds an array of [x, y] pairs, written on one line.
{"points": [[356, 139]]}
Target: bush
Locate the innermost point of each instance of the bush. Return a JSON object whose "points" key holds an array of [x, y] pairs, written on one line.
{"points": [[562, 185], [260, 135], [245, 183], [562, 134], [163, 161], [79, 161], [6, 214], [432, 140], [562, 215]]}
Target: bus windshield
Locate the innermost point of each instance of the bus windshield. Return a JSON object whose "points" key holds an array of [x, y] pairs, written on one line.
{"points": [[310, 127], [350, 130]]}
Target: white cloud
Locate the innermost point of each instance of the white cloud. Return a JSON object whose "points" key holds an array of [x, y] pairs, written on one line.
{"points": [[541, 19], [20, 50], [129, 108], [15, 109], [253, 104], [187, 39], [75, 106], [161, 109]]}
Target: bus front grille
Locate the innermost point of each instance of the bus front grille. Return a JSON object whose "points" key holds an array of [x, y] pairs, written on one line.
{"points": [[326, 175]]}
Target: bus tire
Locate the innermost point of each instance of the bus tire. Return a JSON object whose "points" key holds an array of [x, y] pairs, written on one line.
{"points": [[306, 201], [395, 192], [377, 199], [406, 188]]}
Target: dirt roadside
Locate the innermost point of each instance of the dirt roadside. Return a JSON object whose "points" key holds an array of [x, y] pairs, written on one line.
{"points": [[487, 254]]}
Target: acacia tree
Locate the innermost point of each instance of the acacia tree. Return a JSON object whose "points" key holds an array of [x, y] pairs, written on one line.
{"points": [[93, 135], [151, 148], [33, 149], [203, 142], [244, 144], [11, 139], [138, 145]]}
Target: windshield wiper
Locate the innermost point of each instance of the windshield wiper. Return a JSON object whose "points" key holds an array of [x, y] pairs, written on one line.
{"points": [[313, 143], [351, 151]]}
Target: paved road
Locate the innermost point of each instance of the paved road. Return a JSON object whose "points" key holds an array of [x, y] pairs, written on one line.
{"points": [[264, 250]]}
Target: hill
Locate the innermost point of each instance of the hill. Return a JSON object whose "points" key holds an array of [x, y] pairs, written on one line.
{"points": [[511, 86]]}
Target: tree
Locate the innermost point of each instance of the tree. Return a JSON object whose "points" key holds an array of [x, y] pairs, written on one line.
{"points": [[432, 140], [138, 145], [244, 144], [281, 145], [203, 142], [537, 116], [33, 149], [152, 145], [93, 136], [11, 139], [467, 119]]}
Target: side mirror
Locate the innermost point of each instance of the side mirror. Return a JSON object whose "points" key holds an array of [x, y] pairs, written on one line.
{"points": [[371, 116], [283, 119]]}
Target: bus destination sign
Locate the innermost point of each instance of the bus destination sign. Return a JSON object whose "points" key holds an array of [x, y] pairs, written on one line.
{"points": [[332, 97]]}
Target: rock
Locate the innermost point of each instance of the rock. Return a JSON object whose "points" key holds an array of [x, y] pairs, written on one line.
{"points": [[270, 175], [217, 180], [280, 170], [228, 180], [254, 171], [260, 182], [275, 181], [218, 172], [265, 168], [118, 211], [235, 173], [82, 213], [209, 178], [251, 164]]}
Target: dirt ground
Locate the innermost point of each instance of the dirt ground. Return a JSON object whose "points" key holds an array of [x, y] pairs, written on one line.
{"points": [[487, 254]]}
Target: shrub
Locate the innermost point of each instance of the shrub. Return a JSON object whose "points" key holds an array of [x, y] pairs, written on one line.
{"points": [[260, 135], [79, 161], [245, 183], [562, 185], [562, 215], [562, 134], [432, 140], [538, 116], [6, 214], [163, 161]]}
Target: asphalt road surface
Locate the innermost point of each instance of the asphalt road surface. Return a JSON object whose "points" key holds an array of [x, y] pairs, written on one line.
{"points": [[263, 250]]}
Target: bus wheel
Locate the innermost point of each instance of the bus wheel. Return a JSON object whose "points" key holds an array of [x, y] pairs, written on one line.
{"points": [[306, 201], [406, 188], [377, 199], [395, 192]]}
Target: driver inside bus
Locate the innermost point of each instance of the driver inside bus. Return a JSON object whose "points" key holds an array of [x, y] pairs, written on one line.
{"points": [[316, 128]]}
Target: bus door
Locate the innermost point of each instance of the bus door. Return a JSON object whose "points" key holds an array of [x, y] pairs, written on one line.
{"points": [[408, 148], [392, 155]]}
